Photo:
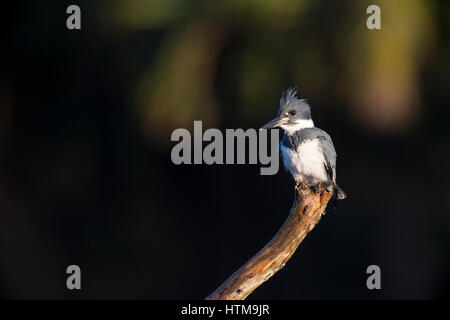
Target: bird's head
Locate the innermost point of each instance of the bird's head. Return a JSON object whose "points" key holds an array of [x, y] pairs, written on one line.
{"points": [[293, 113]]}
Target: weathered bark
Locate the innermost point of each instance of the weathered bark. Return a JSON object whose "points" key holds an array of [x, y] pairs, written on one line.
{"points": [[305, 214]]}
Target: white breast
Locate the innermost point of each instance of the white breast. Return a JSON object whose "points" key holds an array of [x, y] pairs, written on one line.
{"points": [[306, 163]]}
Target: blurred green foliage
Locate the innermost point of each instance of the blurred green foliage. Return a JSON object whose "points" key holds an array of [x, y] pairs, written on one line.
{"points": [[255, 48]]}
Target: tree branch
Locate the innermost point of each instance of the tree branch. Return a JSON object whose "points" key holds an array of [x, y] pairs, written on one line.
{"points": [[306, 211]]}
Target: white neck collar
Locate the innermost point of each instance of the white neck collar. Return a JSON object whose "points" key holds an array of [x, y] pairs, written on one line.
{"points": [[298, 125]]}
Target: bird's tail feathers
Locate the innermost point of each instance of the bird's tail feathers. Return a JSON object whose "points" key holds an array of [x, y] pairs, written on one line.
{"points": [[340, 194]]}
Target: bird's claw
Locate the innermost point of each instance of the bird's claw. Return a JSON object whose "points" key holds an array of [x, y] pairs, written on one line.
{"points": [[300, 185], [315, 189]]}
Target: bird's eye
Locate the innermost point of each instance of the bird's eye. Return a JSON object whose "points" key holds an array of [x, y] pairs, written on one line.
{"points": [[292, 112]]}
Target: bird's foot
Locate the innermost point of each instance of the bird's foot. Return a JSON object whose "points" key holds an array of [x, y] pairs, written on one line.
{"points": [[315, 188], [301, 185]]}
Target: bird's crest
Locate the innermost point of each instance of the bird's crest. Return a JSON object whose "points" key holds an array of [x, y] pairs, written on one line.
{"points": [[288, 97]]}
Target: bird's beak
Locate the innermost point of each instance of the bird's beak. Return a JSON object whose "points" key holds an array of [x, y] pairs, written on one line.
{"points": [[277, 122]]}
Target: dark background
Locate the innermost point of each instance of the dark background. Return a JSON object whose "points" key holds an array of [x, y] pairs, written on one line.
{"points": [[86, 176]]}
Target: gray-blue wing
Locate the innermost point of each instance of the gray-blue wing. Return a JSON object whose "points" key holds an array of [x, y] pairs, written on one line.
{"points": [[330, 155]]}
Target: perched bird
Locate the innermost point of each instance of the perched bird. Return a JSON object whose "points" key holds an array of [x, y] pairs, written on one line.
{"points": [[308, 152]]}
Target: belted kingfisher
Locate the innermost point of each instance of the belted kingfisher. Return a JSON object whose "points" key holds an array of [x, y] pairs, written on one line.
{"points": [[308, 152]]}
